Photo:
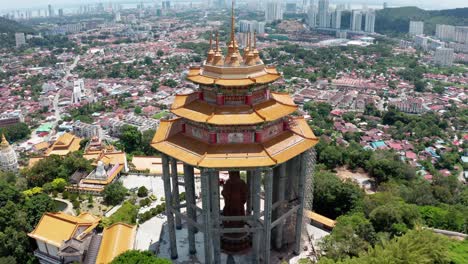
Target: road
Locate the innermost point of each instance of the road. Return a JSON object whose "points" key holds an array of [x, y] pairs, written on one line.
{"points": [[64, 80]]}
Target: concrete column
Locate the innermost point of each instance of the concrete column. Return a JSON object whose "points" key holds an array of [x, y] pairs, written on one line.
{"points": [[207, 238], [304, 157], [168, 197], [175, 192], [256, 181], [214, 189], [190, 199], [250, 197], [280, 210], [268, 182]]}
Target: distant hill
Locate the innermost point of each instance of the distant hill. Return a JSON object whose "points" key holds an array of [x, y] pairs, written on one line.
{"points": [[10, 26], [396, 20]]}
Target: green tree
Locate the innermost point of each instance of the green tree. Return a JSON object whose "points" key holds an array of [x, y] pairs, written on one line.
{"points": [[415, 247], [160, 53], [142, 191], [333, 197], [59, 184], [130, 138], [137, 110], [114, 193], [395, 218], [331, 156], [155, 87], [139, 257], [352, 235]]}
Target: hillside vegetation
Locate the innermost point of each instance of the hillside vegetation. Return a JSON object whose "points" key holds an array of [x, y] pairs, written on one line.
{"points": [[10, 26], [396, 20]]}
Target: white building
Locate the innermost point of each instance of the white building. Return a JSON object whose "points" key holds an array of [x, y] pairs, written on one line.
{"points": [[78, 90], [8, 159], [416, 28], [461, 34], [336, 19], [312, 17], [444, 57], [370, 22], [356, 20], [323, 6], [273, 11], [20, 39], [252, 26], [118, 18], [445, 32], [85, 130]]}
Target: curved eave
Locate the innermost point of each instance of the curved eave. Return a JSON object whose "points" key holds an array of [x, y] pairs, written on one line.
{"points": [[207, 80], [197, 153], [278, 106]]}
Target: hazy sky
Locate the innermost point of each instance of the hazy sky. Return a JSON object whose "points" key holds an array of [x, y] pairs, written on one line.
{"points": [[427, 4]]}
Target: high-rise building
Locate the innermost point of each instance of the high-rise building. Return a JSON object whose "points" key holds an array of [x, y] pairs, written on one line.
{"points": [[385, 5], [312, 17], [268, 144], [356, 20], [118, 18], [336, 19], [78, 90], [370, 21], [461, 34], [444, 56], [60, 12], [20, 39], [51, 10], [252, 26], [8, 159], [416, 28], [323, 19], [445, 32], [273, 11]]}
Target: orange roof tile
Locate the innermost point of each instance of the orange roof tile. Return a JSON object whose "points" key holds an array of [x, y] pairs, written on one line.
{"points": [[116, 239], [55, 228], [200, 111], [275, 151]]}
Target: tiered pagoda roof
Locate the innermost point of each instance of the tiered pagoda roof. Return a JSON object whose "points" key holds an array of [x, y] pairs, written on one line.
{"points": [[233, 120]]}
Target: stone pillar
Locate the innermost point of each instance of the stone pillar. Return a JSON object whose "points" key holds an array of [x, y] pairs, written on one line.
{"points": [[168, 196], [190, 199], [280, 198], [256, 243], [304, 159], [250, 198], [268, 183], [207, 238], [175, 192], [214, 189]]}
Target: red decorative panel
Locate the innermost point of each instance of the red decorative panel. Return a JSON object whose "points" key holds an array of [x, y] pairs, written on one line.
{"points": [[271, 131], [236, 137], [196, 132], [258, 96], [234, 99]]}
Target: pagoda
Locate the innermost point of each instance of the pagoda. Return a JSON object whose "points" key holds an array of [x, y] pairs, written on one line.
{"points": [[234, 123], [8, 159]]}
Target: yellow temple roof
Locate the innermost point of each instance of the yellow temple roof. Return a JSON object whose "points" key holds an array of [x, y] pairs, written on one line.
{"points": [[197, 153], [116, 239], [278, 106], [233, 76], [65, 144], [55, 228]]}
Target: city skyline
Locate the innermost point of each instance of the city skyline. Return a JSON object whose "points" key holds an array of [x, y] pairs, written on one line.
{"points": [[431, 4]]}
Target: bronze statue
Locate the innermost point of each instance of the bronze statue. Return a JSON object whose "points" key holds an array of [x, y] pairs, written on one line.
{"points": [[235, 193]]}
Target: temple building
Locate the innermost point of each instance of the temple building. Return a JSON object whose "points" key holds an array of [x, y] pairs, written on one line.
{"points": [[109, 163], [8, 159], [233, 122], [64, 144], [63, 238]]}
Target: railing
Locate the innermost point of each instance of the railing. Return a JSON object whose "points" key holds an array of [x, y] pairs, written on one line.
{"points": [[47, 258]]}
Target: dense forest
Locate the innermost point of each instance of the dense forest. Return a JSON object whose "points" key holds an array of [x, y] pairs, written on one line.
{"points": [[396, 20]]}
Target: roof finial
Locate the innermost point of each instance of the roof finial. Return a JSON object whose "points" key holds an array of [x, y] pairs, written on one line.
{"points": [[217, 41], [211, 40], [4, 142], [255, 39], [233, 25]]}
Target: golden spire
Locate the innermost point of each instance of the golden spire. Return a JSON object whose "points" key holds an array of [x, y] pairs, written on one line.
{"points": [[233, 25], [211, 53], [218, 57], [247, 46], [254, 50], [250, 57], [4, 143]]}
